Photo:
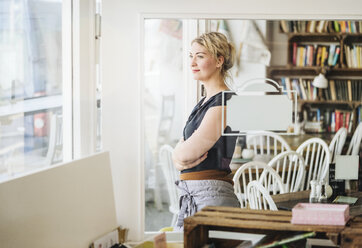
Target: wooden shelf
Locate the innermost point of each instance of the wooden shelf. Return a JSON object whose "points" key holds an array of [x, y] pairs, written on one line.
{"points": [[340, 73], [353, 103], [314, 37], [311, 72]]}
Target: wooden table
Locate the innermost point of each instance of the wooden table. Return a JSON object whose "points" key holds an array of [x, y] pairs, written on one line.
{"points": [[197, 227], [289, 200]]}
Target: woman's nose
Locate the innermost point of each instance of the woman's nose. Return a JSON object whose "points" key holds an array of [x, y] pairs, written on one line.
{"points": [[193, 61]]}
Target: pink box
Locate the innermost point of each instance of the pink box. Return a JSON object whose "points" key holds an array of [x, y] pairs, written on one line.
{"points": [[320, 214]]}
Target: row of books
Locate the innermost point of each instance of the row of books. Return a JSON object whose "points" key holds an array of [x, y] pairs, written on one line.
{"points": [[338, 90], [315, 55], [353, 55], [329, 120], [343, 90], [321, 26], [304, 88]]}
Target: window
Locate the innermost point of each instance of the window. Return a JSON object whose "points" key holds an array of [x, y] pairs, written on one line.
{"points": [[31, 94]]}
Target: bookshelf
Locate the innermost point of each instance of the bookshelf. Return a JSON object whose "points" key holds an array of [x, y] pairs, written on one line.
{"points": [[335, 49]]}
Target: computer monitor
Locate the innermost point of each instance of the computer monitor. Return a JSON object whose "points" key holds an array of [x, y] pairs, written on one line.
{"points": [[68, 205]]}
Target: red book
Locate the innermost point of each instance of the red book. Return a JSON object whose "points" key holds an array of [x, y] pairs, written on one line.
{"points": [[338, 120], [294, 53]]}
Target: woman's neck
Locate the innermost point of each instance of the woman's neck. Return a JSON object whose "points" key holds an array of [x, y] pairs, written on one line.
{"points": [[213, 89]]}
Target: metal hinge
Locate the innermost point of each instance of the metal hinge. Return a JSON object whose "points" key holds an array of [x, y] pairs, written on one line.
{"points": [[98, 26]]}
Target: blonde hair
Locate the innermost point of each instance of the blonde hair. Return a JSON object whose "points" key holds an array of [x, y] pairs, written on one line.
{"points": [[217, 44]]}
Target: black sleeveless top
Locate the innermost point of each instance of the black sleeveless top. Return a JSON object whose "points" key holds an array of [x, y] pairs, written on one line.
{"points": [[219, 156]]}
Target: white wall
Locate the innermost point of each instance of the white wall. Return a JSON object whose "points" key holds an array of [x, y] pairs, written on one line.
{"points": [[121, 77]]}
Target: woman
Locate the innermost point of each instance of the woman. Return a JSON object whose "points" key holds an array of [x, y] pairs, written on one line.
{"points": [[203, 155]]}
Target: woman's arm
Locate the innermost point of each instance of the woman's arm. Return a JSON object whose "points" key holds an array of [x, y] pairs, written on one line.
{"points": [[179, 165], [201, 141]]}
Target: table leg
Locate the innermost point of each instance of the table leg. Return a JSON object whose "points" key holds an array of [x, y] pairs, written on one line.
{"points": [[195, 235]]}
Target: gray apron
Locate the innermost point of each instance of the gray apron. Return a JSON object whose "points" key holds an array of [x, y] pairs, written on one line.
{"points": [[196, 194]]}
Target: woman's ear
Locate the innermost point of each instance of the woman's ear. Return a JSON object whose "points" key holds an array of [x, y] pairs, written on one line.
{"points": [[220, 61]]}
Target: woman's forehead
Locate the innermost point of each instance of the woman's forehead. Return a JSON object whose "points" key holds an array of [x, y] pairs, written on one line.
{"points": [[196, 48]]}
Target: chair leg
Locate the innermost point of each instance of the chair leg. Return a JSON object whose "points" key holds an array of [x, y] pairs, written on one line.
{"points": [[157, 189], [174, 220]]}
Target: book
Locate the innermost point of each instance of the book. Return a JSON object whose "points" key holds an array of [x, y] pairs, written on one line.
{"points": [[348, 27], [312, 26], [332, 90], [284, 26], [320, 26], [311, 55], [296, 87], [303, 89], [318, 55], [358, 51], [301, 56], [336, 56], [349, 86], [332, 49], [342, 26], [295, 53], [347, 120], [354, 56], [338, 116], [349, 130], [336, 26], [333, 122], [325, 58]]}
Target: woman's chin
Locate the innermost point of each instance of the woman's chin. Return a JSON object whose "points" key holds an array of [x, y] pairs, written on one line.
{"points": [[196, 78]]}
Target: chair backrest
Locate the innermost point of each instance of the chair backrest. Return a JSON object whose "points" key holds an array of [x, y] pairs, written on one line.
{"points": [[166, 119], [255, 170], [316, 156], [354, 145], [291, 168], [171, 175], [55, 146], [337, 143], [259, 197], [267, 143]]}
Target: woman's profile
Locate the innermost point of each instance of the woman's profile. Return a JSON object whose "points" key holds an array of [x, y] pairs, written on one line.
{"points": [[203, 155]]}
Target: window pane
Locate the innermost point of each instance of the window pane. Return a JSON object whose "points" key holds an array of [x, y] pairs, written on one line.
{"points": [[31, 84], [163, 97]]}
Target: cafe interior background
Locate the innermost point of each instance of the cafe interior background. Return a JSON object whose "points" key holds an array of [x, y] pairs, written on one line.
{"points": [[73, 88]]}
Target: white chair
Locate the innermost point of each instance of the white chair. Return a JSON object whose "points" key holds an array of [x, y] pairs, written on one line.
{"points": [[166, 120], [266, 145], [259, 197], [255, 170], [316, 156], [337, 143], [354, 145], [55, 146], [171, 175], [291, 168]]}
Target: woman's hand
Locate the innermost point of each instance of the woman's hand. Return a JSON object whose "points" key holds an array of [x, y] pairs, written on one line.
{"points": [[183, 165], [202, 139], [179, 165]]}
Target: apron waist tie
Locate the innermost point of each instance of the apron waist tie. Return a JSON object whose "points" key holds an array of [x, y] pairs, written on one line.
{"points": [[187, 203]]}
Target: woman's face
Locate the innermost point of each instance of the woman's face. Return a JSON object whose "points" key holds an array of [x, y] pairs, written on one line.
{"points": [[203, 65]]}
